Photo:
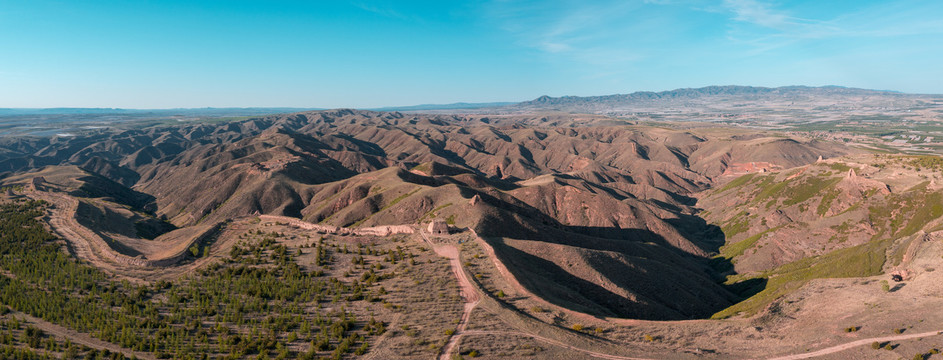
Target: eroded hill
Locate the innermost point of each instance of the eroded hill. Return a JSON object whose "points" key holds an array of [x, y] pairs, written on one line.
{"points": [[847, 217], [616, 202]]}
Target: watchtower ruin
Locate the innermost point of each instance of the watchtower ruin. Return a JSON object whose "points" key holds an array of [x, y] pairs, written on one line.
{"points": [[438, 227]]}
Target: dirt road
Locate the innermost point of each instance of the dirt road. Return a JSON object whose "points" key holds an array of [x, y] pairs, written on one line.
{"points": [[469, 293], [472, 298], [846, 346], [77, 337], [553, 342]]}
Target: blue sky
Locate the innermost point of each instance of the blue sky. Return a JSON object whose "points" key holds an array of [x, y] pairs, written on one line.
{"points": [[161, 54]]}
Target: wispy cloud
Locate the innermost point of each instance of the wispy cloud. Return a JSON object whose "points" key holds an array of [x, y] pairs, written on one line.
{"points": [[606, 38], [385, 11], [755, 12], [875, 21], [598, 33]]}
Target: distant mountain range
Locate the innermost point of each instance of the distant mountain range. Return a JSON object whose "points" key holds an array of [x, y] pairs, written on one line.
{"points": [[209, 111], [453, 106], [542, 103], [752, 93]]}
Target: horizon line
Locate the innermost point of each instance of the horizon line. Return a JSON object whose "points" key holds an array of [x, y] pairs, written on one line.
{"points": [[394, 107]]}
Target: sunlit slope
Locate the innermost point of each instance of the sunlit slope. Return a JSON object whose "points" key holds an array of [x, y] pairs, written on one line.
{"points": [[844, 217]]}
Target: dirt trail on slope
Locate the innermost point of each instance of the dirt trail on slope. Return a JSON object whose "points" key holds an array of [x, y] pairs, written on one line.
{"points": [[553, 342], [846, 346], [62, 220], [77, 337], [469, 293], [472, 298]]}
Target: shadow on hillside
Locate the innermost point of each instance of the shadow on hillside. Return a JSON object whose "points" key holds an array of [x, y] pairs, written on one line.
{"points": [[747, 288], [708, 237], [556, 285], [97, 186], [663, 287], [646, 275], [666, 282]]}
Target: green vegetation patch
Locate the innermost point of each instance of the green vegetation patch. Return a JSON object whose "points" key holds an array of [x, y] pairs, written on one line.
{"points": [[737, 183], [858, 261], [768, 188], [826, 202], [929, 162], [391, 204], [737, 224], [400, 198], [906, 213], [432, 213], [842, 168], [791, 192], [424, 168], [808, 188], [897, 255], [733, 250]]}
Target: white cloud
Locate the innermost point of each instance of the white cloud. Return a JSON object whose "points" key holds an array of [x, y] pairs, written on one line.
{"points": [[597, 33], [384, 11], [755, 12]]}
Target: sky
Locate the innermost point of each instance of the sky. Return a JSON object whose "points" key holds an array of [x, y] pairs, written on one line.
{"points": [[362, 53]]}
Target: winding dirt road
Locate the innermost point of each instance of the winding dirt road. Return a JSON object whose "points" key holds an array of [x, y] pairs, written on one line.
{"points": [[849, 345], [469, 293]]}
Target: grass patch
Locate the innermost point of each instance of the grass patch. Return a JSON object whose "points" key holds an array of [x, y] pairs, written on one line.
{"points": [[897, 255], [737, 224], [733, 250], [400, 198], [807, 189], [858, 261], [905, 214], [738, 182], [768, 188], [393, 202], [432, 213], [929, 162], [424, 168], [826, 202], [840, 167]]}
